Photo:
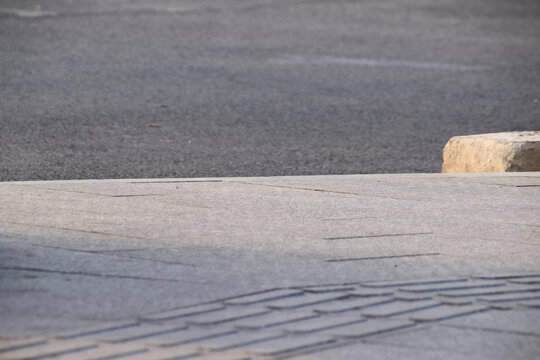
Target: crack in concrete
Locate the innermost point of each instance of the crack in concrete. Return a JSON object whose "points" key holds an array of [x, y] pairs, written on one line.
{"points": [[63, 190], [112, 254], [89, 193], [382, 257], [91, 274], [79, 230], [136, 195], [327, 191], [376, 236]]}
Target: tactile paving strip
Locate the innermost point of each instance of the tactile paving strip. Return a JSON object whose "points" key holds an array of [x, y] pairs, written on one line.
{"points": [[286, 322]]}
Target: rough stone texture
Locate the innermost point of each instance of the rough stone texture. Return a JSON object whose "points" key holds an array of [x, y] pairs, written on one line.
{"points": [[497, 152]]}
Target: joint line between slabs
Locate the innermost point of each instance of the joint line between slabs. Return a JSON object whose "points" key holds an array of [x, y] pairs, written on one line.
{"points": [[381, 257], [376, 236]]}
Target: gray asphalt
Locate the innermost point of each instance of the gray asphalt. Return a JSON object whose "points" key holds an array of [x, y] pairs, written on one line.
{"points": [[258, 87]]}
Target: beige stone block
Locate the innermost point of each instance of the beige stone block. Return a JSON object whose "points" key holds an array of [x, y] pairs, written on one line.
{"points": [[496, 152]]}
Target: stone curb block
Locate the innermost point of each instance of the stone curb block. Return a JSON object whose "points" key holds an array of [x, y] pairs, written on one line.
{"points": [[496, 152]]}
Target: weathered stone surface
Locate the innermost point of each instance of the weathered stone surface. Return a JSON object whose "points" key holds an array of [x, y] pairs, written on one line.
{"points": [[497, 152]]}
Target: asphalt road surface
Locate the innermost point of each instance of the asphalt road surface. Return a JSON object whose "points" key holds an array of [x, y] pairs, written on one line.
{"points": [[180, 88]]}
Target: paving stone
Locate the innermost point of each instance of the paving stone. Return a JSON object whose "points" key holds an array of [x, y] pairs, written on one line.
{"points": [[507, 277], [533, 281], [369, 328], [195, 335], [107, 351], [185, 312], [401, 296], [98, 330], [177, 353], [238, 340], [225, 356], [455, 301], [228, 315], [490, 292], [322, 323], [454, 287], [143, 332], [289, 345], [398, 284], [367, 292], [52, 348], [507, 301], [477, 343], [367, 348], [400, 308], [512, 297], [306, 300], [525, 321], [264, 297], [19, 343], [447, 312], [351, 304], [275, 318], [533, 304], [328, 289]]}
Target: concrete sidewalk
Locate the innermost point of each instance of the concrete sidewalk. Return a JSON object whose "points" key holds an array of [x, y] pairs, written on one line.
{"points": [[338, 267]]}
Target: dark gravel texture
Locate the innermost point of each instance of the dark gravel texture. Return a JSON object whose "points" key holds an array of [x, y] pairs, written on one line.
{"points": [[258, 87]]}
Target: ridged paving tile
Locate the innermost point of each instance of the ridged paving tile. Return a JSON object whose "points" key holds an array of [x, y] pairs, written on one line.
{"points": [[509, 298], [225, 356], [195, 335], [96, 331], [328, 289], [527, 281], [532, 304], [368, 292], [525, 321], [407, 296], [139, 333], [306, 300], [288, 345], [453, 287], [400, 308], [228, 315], [264, 297], [398, 284], [177, 353], [322, 323], [351, 304], [19, 343], [507, 277], [447, 312], [238, 340], [274, 318], [301, 320], [370, 328], [491, 291], [52, 348], [221, 357], [107, 351], [185, 312]]}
